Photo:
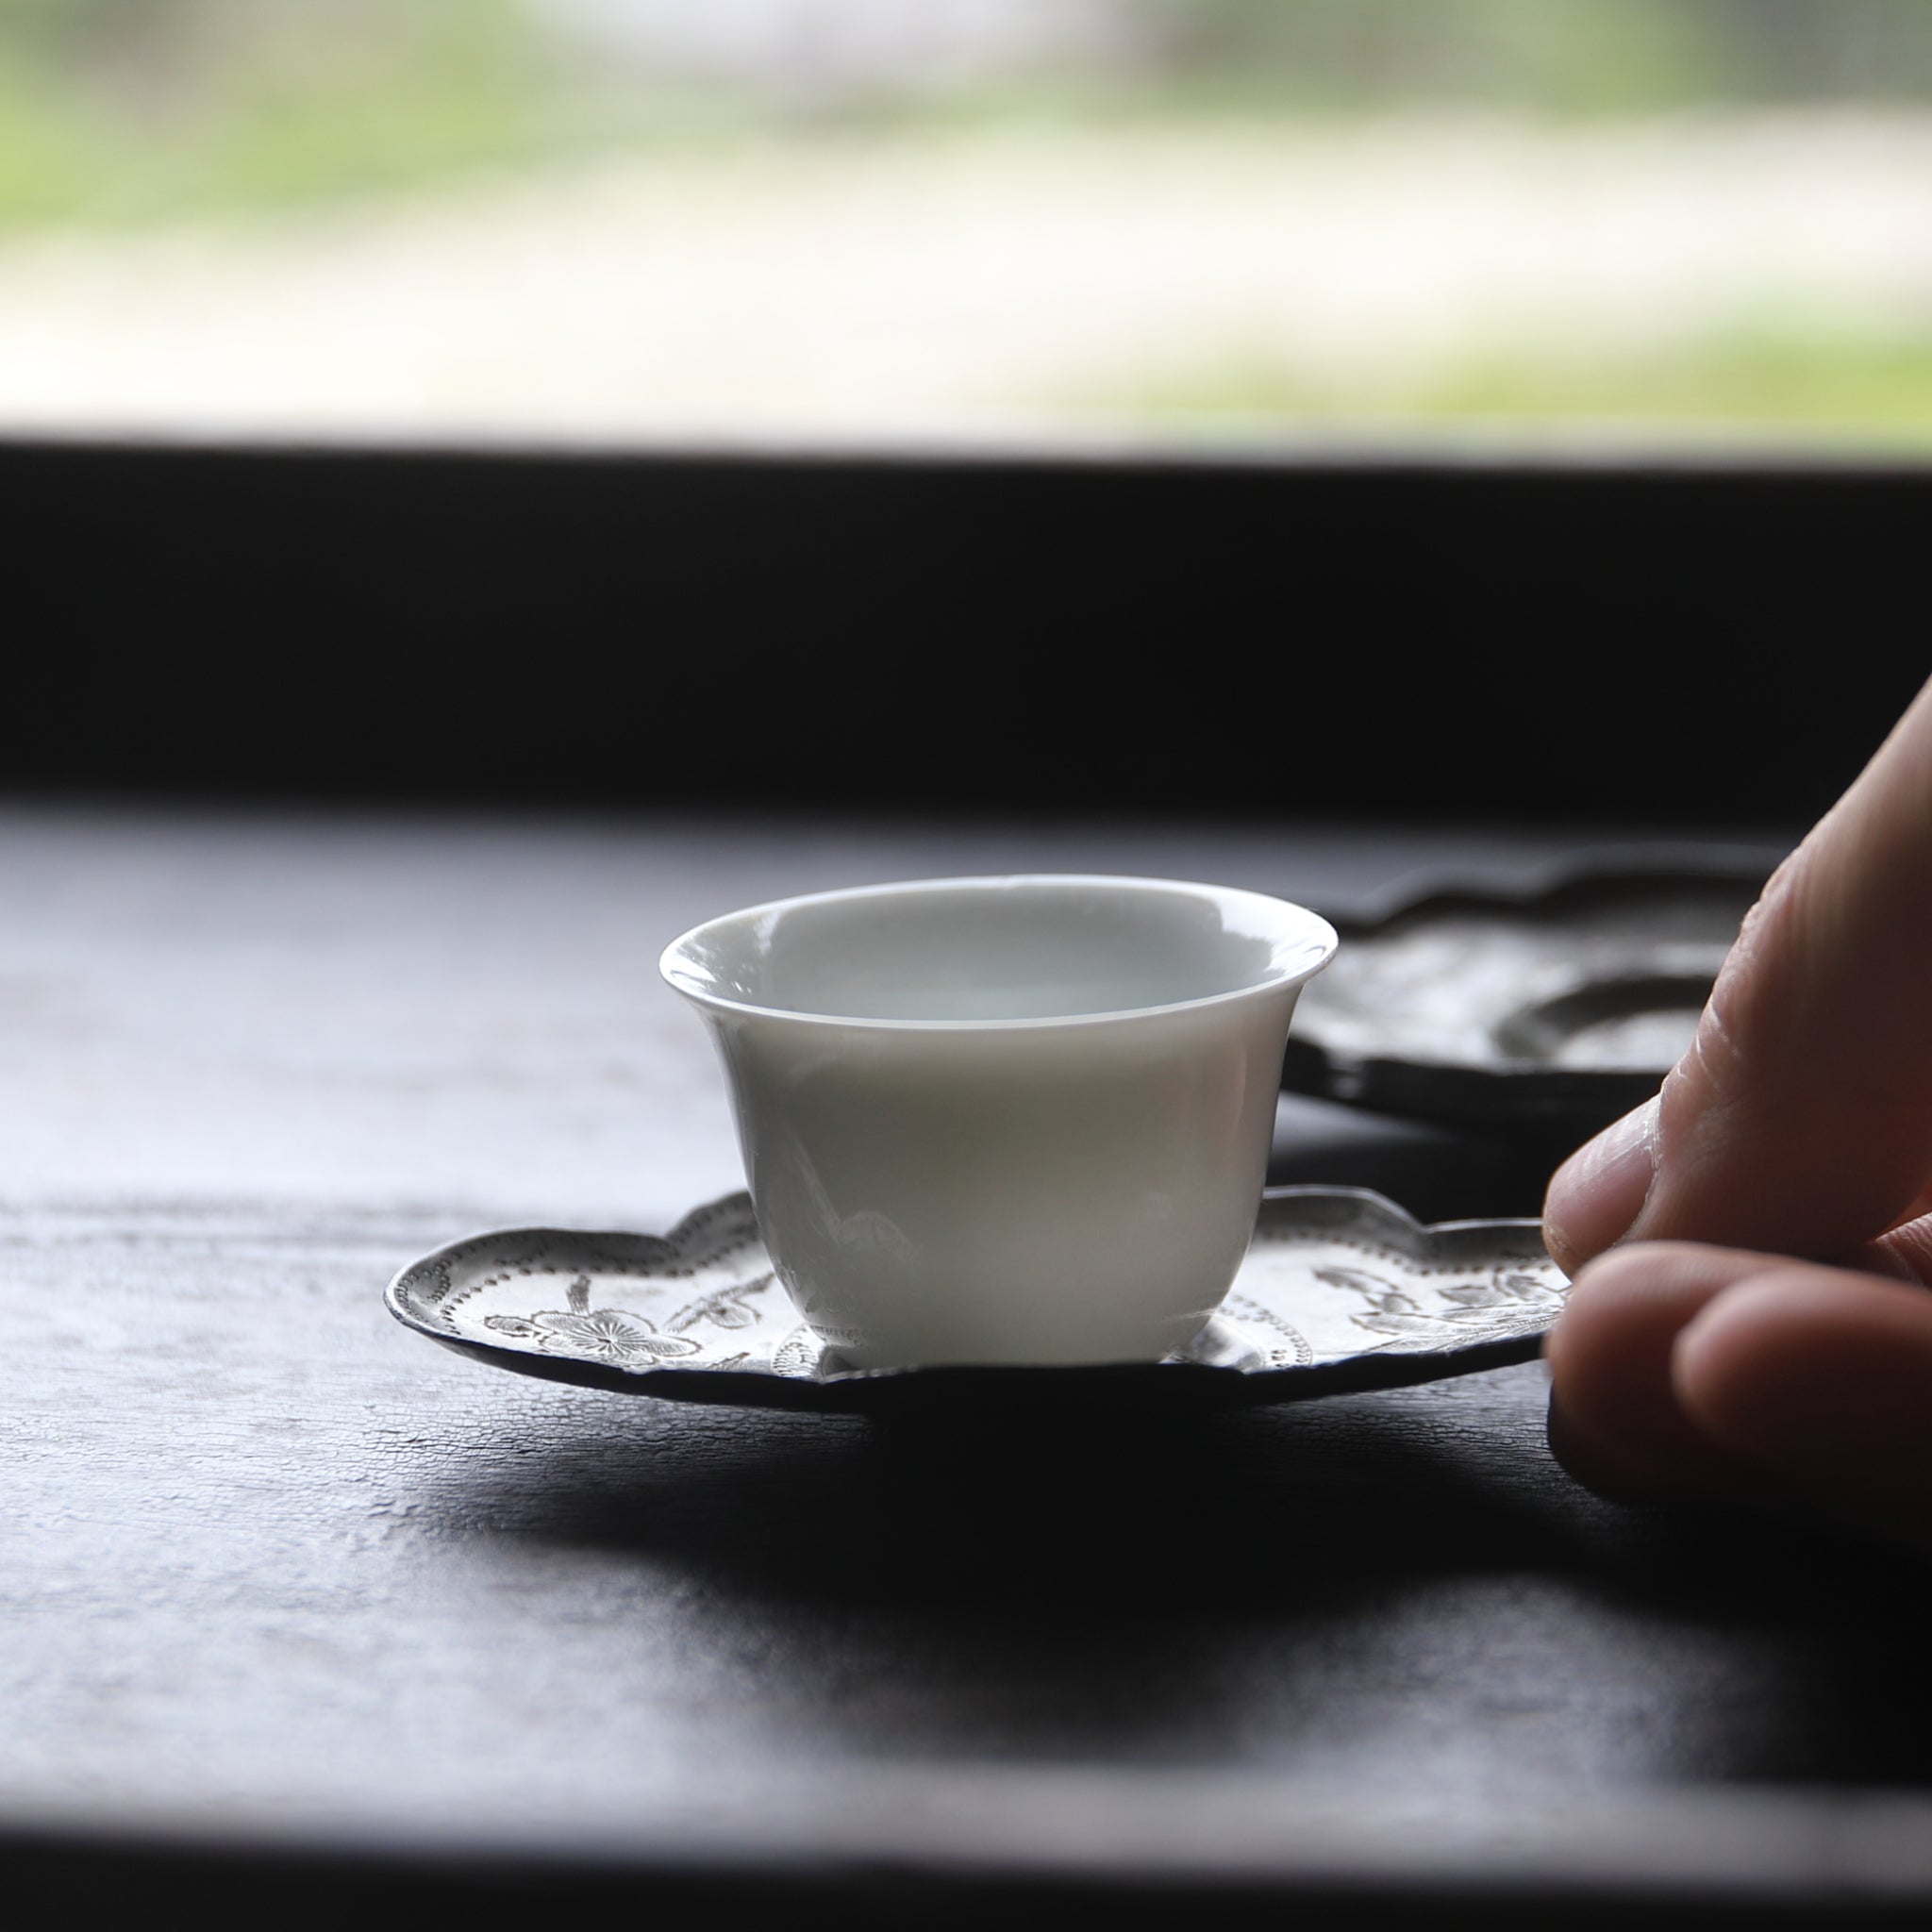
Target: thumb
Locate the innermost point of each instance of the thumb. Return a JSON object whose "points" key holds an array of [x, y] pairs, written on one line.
{"points": [[1800, 1122]]}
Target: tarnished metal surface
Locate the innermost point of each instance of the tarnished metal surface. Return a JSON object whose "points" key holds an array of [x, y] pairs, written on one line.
{"points": [[1341, 1290], [1561, 1003]]}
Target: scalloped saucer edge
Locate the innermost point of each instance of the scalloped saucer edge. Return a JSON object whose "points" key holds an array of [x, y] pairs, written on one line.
{"points": [[1341, 1290]]}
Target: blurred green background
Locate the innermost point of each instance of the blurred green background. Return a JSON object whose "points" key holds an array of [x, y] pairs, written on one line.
{"points": [[144, 109], [129, 116]]}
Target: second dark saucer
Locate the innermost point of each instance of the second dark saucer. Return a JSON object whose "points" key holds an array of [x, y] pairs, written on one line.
{"points": [[1548, 1011]]}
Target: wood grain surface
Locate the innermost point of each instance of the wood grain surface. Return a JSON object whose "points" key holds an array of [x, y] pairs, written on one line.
{"points": [[292, 1603]]}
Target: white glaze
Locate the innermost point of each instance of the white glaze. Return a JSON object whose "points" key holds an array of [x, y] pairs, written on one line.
{"points": [[1010, 1120]]}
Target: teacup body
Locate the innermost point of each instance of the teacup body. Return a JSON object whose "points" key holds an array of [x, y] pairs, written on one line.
{"points": [[1004, 1121]]}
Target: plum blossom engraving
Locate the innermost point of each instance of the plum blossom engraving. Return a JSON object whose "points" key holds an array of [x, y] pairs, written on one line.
{"points": [[1509, 1294], [1499, 1302], [725, 1307], [606, 1335]]}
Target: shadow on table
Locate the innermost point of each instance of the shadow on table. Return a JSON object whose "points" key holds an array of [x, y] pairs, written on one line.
{"points": [[1399, 1586]]}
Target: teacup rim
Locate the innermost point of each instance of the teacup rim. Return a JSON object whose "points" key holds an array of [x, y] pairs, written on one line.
{"points": [[1320, 937]]}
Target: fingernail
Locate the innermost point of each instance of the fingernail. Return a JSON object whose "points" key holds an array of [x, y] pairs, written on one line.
{"points": [[1597, 1194]]}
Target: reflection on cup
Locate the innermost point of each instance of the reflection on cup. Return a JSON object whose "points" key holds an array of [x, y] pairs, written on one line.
{"points": [[1004, 1120]]}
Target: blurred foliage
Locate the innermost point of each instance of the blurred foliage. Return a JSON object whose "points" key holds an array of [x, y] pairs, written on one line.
{"points": [[1551, 56], [1869, 382], [133, 110], [129, 110]]}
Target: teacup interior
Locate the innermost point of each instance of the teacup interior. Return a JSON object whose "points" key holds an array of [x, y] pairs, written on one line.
{"points": [[992, 950]]}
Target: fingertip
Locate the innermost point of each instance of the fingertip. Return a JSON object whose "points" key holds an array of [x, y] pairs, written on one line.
{"points": [[1615, 1420], [1819, 1377], [1595, 1198], [1631, 1300]]}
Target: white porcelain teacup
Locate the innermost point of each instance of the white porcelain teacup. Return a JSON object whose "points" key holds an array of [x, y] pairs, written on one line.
{"points": [[1004, 1120]]}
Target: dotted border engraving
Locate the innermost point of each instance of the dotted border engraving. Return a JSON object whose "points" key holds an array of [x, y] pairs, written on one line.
{"points": [[1334, 1274]]}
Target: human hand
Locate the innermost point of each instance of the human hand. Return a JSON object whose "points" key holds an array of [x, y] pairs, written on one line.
{"points": [[1707, 1348]]}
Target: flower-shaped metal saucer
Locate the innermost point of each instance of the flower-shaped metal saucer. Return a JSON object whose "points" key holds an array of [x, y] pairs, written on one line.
{"points": [[1341, 1291], [1546, 1011]]}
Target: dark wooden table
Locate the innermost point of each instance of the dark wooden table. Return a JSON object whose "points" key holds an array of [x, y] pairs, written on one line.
{"points": [[301, 1616]]}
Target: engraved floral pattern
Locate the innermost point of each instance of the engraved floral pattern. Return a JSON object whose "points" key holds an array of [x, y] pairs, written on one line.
{"points": [[1507, 1303], [723, 1308], [605, 1335], [1339, 1289], [598, 1335]]}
